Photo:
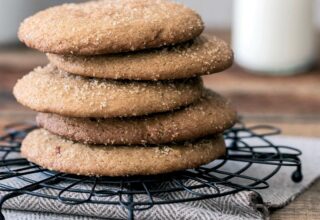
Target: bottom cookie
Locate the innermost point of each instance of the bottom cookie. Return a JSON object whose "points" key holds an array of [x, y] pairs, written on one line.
{"points": [[58, 154]]}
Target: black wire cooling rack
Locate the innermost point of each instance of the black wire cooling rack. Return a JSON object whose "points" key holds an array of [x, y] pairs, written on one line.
{"points": [[247, 147]]}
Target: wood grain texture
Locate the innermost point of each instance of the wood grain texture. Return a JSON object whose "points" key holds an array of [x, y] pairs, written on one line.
{"points": [[305, 207], [291, 103], [259, 94]]}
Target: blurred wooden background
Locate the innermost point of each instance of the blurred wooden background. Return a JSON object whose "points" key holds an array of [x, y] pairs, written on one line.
{"points": [[291, 103]]}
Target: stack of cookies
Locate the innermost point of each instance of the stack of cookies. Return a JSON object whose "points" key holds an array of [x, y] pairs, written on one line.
{"points": [[122, 94]]}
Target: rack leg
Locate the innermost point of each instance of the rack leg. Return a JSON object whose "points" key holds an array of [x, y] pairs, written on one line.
{"points": [[130, 208], [297, 175]]}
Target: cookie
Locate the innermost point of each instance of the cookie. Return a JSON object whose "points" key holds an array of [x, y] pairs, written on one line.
{"points": [[51, 90], [212, 114], [204, 55], [58, 154], [106, 26]]}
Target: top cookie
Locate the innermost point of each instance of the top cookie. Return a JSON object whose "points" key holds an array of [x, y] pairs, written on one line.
{"points": [[106, 26], [204, 55]]}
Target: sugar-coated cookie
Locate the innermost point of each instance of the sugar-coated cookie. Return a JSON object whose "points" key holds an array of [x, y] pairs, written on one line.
{"points": [[210, 115], [58, 154], [107, 26], [51, 90], [204, 55]]}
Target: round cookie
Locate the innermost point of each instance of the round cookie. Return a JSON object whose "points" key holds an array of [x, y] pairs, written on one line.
{"points": [[211, 115], [204, 55], [55, 153], [51, 90], [104, 26]]}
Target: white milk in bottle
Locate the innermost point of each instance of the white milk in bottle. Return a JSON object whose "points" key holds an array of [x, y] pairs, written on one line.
{"points": [[274, 36]]}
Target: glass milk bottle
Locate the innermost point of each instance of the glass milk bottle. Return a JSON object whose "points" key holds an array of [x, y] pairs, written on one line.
{"points": [[274, 36]]}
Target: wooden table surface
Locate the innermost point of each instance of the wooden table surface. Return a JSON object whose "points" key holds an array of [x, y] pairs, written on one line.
{"points": [[291, 103]]}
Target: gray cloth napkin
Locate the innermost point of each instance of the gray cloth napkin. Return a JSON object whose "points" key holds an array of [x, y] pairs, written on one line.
{"points": [[242, 205]]}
